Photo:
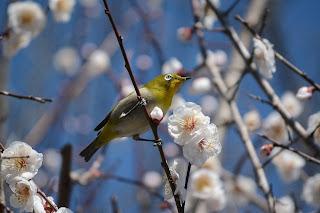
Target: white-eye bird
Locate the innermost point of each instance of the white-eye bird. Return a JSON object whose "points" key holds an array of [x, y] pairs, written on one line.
{"points": [[128, 119]]}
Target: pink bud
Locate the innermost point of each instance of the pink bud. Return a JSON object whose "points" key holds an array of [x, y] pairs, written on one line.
{"points": [[156, 115], [304, 93], [265, 150], [163, 206], [184, 34]]}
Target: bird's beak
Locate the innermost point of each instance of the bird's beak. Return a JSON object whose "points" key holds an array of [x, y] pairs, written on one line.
{"points": [[184, 78]]}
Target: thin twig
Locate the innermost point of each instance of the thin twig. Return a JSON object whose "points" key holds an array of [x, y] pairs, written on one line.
{"points": [[7, 208], [153, 126], [302, 154], [264, 21], [42, 194], [29, 97], [280, 57]]}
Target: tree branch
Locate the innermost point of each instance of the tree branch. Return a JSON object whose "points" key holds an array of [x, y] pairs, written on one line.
{"points": [[29, 97]]}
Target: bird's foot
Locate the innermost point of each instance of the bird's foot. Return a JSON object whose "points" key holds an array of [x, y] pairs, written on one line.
{"points": [[157, 142], [142, 101]]}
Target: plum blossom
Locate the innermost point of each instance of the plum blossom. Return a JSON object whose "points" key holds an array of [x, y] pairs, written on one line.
{"points": [[173, 65], [98, 62], [202, 146], [26, 17], [284, 205], [41, 205], [304, 93], [178, 172], [152, 179], [209, 105], [62, 9], [67, 60], [240, 189], [291, 103], [187, 121], [207, 15], [264, 57], [275, 128], [200, 86], [205, 183], [20, 165], [252, 120], [23, 196], [64, 210], [14, 42], [313, 127], [266, 150], [213, 164], [311, 190], [289, 165]]}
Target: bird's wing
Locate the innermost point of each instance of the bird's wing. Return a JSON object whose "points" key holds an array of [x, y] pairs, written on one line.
{"points": [[104, 121]]}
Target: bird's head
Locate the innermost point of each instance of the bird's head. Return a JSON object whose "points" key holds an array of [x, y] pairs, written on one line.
{"points": [[167, 83]]}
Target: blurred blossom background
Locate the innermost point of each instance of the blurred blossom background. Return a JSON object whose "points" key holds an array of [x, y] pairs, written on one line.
{"points": [[79, 65]]}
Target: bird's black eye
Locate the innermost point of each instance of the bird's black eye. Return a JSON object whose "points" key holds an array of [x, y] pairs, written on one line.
{"points": [[168, 77]]}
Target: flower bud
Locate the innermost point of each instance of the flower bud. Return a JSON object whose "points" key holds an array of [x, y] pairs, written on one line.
{"points": [[156, 115], [304, 93], [184, 34], [265, 150]]}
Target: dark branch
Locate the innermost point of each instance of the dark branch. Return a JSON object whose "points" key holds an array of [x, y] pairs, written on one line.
{"points": [[29, 97]]}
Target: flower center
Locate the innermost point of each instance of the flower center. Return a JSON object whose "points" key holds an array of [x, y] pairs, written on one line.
{"points": [[27, 18], [16, 164], [208, 145], [203, 183], [63, 6], [22, 194], [189, 124]]}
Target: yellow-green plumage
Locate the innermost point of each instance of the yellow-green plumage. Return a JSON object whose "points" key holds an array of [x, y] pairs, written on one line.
{"points": [[126, 120]]}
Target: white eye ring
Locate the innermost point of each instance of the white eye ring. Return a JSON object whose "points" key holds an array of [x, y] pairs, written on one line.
{"points": [[168, 77]]}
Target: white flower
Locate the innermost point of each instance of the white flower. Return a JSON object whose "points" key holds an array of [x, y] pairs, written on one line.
{"points": [[252, 120], [187, 121], [24, 192], [156, 115], [213, 164], [200, 86], [202, 146], [64, 210], [275, 128], [98, 62], [173, 65], [304, 93], [264, 57], [61, 9], [205, 183], [152, 179], [26, 17], [184, 34], [207, 15], [289, 165], [209, 105], [24, 167], [171, 150], [285, 205], [178, 172], [291, 103], [311, 191], [313, 123], [220, 58], [67, 59], [14, 42], [240, 189], [144, 62]]}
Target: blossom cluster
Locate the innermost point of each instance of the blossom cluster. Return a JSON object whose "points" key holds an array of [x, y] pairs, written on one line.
{"points": [[20, 163], [26, 20], [192, 130]]}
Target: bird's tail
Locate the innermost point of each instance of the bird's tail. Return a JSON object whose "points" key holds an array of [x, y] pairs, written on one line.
{"points": [[89, 151]]}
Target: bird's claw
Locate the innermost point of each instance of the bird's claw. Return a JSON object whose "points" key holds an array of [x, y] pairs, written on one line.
{"points": [[143, 102], [157, 142]]}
